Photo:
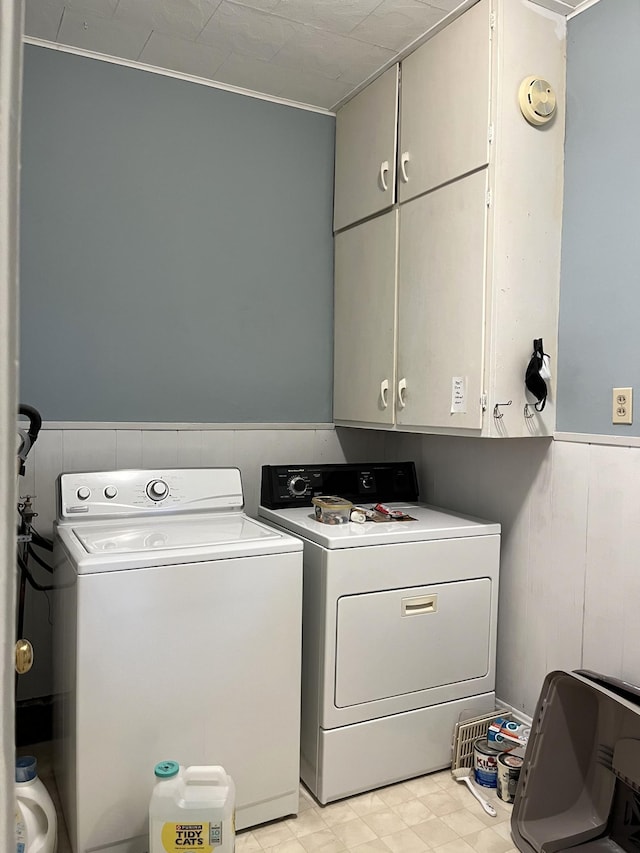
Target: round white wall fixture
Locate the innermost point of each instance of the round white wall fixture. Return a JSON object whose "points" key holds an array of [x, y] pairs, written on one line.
{"points": [[537, 100]]}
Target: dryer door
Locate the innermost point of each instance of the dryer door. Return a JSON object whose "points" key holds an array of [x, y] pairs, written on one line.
{"points": [[396, 642]]}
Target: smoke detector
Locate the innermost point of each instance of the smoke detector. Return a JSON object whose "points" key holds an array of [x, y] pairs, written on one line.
{"points": [[537, 100]]}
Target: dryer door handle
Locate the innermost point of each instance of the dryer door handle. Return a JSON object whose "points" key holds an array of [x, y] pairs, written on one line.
{"points": [[419, 605]]}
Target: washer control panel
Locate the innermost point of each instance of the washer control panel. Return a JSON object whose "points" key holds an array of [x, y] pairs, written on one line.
{"points": [[286, 486], [109, 494]]}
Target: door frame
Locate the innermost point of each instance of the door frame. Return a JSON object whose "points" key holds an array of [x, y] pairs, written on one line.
{"points": [[11, 28]]}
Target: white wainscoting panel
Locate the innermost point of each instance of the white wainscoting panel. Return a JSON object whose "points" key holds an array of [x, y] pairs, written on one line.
{"points": [[565, 599], [218, 447], [128, 449], [189, 449], [538, 648], [569, 581], [44, 463], [88, 450], [611, 634], [327, 448], [361, 445], [47, 461], [510, 470], [160, 449]]}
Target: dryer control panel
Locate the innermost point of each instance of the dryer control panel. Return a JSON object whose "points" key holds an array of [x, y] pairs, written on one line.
{"points": [[285, 486]]}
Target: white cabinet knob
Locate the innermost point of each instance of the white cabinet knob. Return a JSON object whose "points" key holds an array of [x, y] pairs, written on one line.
{"points": [[404, 159], [384, 168], [384, 388], [402, 387]]}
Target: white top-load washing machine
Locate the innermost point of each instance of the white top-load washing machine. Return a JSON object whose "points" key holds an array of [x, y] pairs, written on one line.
{"points": [[177, 636], [399, 625]]}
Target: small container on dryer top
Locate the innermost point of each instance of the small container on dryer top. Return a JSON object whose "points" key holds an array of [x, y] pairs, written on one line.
{"points": [[39, 831], [192, 808], [331, 509]]}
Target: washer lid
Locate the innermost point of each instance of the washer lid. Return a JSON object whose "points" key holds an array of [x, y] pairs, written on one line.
{"points": [[169, 534], [430, 523]]}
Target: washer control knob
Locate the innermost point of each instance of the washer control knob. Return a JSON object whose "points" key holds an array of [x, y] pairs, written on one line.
{"points": [[297, 485], [157, 490], [110, 492], [83, 493]]}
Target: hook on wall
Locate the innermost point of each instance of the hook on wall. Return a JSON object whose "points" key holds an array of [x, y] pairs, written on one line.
{"points": [[498, 414], [529, 411]]}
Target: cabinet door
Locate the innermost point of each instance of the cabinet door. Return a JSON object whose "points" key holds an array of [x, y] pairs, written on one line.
{"points": [[365, 322], [445, 96], [441, 306], [366, 132]]}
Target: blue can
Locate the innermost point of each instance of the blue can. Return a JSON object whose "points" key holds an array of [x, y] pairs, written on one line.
{"points": [[485, 763]]}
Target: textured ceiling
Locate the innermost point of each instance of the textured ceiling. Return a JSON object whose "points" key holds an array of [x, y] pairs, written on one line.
{"points": [[311, 51]]}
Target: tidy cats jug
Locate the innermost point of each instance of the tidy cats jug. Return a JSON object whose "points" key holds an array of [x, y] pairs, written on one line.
{"points": [[192, 808]]}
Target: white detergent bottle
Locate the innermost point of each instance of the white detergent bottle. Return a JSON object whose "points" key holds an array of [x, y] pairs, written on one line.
{"points": [[192, 808], [21, 832], [40, 824]]}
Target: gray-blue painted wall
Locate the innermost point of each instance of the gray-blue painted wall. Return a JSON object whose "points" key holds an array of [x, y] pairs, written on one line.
{"points": [[176, 245], [599, 337], [176, 257]]}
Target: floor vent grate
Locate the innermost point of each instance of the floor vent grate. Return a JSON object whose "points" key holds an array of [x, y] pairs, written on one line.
{"points": [[466, 732]]}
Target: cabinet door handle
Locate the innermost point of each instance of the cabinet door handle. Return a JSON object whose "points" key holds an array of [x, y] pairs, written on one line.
{"points": [[404, 159], [384, 388], [384, 168], [402, 387]]}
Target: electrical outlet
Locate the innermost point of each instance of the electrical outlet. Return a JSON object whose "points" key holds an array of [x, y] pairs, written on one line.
{"points": [[622, 406]]}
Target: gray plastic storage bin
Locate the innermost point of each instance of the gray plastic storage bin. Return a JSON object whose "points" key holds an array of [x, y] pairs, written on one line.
{"points": [[580, 783]]}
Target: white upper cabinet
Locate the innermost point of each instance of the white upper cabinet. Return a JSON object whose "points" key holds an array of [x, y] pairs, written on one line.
{"points": [[441, 306], [444, 105], [365, 299], [366, 134], [440, 296]]}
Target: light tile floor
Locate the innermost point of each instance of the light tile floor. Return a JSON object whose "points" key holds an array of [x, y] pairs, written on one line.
{"points": [[427, 813], [431, 812]]}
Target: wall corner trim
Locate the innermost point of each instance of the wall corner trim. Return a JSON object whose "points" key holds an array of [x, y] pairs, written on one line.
{"points": [[178, 75], [588, 438], [179, 427]]}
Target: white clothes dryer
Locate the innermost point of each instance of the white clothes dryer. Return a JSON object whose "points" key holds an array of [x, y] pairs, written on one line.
{"points": [[177, 637], [399, 625]]}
